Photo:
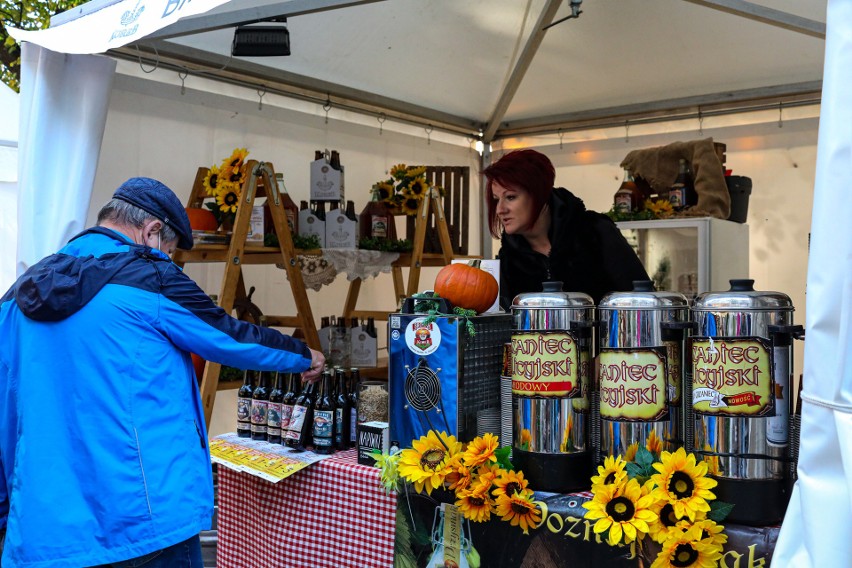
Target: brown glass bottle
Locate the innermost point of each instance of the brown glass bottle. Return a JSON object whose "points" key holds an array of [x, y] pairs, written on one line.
{"points": [[628, 198], [324, 411], [244, 405], [343, 413], [273, 410], [259, 407], [376, 220]]}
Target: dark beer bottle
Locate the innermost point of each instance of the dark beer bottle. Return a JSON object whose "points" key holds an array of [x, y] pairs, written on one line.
{"points": [[628, 198], [287, 404], [376, 220], [302, 419], [354, 385], [273, 411], [342, 413], [324, 417], [259, 406], [244, 405], [682, 191]]}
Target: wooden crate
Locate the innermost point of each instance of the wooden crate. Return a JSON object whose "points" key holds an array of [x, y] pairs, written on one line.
{"points": [[456, 202]]}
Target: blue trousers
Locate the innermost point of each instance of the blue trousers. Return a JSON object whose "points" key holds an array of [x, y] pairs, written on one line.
{"points": [[186, 554]]}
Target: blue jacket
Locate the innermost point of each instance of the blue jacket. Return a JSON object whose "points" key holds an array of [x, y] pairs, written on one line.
{"points": [[103, 452]]}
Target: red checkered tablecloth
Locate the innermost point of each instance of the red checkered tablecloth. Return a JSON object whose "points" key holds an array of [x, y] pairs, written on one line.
{"points": [[333, 514]]}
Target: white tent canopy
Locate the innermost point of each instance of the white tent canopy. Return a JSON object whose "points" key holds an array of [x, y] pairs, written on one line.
{"points": [[492, 70]]}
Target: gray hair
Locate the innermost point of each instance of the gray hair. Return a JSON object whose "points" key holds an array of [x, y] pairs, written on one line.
{"points": [[121, 212]]}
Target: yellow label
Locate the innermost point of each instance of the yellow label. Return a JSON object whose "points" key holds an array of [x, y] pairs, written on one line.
{"points": [[633, 384], [731, 376], [545, 364], [452, 535]]}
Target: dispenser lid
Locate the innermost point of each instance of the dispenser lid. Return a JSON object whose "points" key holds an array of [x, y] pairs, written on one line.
{"points": [[643, 297], [552, 296], [742, 297]]}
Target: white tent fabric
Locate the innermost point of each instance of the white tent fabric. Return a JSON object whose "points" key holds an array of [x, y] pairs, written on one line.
{"points": [[114, 25], [64, 102], [816, 528]]}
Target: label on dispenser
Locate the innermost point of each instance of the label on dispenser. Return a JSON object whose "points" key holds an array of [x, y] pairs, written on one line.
{"points": [[633, 384], [581, 403], [732, 376], [545, 363]]}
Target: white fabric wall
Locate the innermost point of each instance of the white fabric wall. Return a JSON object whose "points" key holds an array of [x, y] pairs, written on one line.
{"points": [[8, 184]]}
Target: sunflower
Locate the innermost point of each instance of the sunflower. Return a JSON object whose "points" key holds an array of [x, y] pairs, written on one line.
{"points": [[687, 550], [234, 164], [611, 472], [409, 204], [621, 509], [475, 503], [669, 522], [712, 462], [481, 450], [659, 207], [510, 483], [526, 439], [418, 187], [398, 171], [458, 475], [682, 482], [415, 171], [654, 444], [212, 181], [711, 532], [384, 189], [227, 199], [518, 510], [425, 463], [630, 454]]}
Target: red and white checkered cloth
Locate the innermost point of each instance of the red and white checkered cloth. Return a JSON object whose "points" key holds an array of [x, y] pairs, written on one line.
{"points": [[333, 514]]}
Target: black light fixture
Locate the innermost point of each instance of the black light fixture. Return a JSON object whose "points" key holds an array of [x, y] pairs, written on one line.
{"points": [[261, 40]]}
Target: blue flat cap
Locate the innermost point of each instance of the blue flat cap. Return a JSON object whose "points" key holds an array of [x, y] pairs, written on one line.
{"points": [[157, 199]]}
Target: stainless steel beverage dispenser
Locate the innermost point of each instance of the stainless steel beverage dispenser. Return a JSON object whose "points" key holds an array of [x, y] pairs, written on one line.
{"points": [[551, 355], [640, 375], [741, 381]]}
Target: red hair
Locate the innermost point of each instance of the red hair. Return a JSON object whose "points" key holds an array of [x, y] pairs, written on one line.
{"points": [[523, 170]]}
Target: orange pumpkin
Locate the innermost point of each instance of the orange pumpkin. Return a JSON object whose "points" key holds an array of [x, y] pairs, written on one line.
{"points": [[466, 286], [201, 219]]}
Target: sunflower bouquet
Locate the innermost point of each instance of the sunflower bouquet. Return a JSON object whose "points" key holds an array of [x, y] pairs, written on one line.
{"points": [[405, 189], [665, 497], [224, 183], [479, 474]]}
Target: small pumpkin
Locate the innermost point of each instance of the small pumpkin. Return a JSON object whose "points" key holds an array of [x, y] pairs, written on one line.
{"points": [[201, 219], [466, 286]]}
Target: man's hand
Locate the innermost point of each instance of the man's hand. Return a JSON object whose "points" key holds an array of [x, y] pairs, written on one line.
{"points": [[313, 374]]}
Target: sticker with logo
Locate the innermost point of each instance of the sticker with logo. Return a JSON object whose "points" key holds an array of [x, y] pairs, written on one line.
{"points": [[422, 338]]}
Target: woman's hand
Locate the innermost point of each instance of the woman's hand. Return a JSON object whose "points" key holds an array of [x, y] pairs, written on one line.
{"points": [[313, 374]]}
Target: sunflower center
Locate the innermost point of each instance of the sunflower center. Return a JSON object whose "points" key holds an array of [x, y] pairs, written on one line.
{"points": [[620, 509], [681, 485], [519, 508], [684, 555], [609, 479], [667, 515], [214, 180], [432, 458], [230, 198], [512, 487], [476, 501]]}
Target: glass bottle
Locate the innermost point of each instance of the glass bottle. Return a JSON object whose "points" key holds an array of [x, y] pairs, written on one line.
{"points": [[376, 220], [682, 191], [291, 211], [302, 420], [273, 410], [244, 405], [323, 423], [628, 198], [287, 402], [354, 385], [342, 412], [259, 405]]}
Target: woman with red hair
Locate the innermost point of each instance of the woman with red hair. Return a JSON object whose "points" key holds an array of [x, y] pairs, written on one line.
{"points": [[548, 234]]}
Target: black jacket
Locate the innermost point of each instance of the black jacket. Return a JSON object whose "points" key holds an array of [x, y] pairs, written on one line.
{"points": [[588, 254]]}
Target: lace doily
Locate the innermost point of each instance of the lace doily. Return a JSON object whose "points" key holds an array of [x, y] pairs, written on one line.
{"points": [[321, 270], [360, 263]]}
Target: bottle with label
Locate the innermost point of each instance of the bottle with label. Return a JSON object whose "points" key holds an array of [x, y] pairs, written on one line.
{"points": [[273, 410], [290, 208], [324, 412], [259, 406], [287, 402], [299, 429], [628, 198], [244, 405], [342, 412], [354, 385], [376, 220], [339, 345], [682, 191]]}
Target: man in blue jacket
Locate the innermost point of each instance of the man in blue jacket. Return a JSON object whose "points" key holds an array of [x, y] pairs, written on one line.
{"points": [[103, 452]]}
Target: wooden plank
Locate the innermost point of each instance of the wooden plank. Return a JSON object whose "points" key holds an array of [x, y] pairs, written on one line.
{"points": [[284, 321], [417, 250], [351, 297], [378, 315], [464, 232]]}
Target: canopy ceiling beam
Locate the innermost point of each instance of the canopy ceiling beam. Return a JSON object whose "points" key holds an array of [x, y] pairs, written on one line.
{"points": [[747, 100], [243, 16], [237, 71], [523, 63], [766, 15]]}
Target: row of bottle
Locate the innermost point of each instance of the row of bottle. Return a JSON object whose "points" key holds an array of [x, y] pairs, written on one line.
{"points": [[343, 345], [325, 419], [630, 198]]}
